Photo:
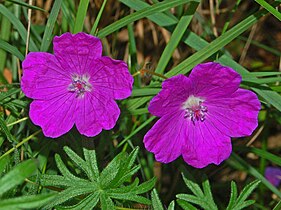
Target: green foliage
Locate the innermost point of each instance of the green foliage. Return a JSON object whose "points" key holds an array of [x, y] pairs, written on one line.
{"points": [[15, 177], [113, 183], [204, 198]]}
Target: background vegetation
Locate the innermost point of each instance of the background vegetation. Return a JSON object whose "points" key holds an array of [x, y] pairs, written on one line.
{"points": [[155, 38]]}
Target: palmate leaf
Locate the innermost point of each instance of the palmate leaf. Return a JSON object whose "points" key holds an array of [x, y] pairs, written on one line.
{"points": [[204, 198], [113, 183]]}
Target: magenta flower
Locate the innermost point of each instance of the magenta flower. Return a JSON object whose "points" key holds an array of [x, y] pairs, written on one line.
{"points": [[273, 175], [76, 85], [198, 115]]}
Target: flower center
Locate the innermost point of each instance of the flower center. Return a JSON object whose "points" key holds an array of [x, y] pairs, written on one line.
{"points": [[80, 85], [194, 110]]}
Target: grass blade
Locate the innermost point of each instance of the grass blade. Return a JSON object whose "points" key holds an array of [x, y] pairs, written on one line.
{"points": [[80, 16], [18, 26], [159, 7], [269, 8], [176, 38], [47, 37]]}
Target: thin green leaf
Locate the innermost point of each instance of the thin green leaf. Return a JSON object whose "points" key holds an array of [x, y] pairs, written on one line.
{"points": [[77, 160], [26, 202], [171, 206], [251, 170], [91, 160], [87, 203], [269, 8], [193, 187], [56, 180], [215, 45], [111, 170], [247, 191], [4, 95], [277, 206], [17, 175], [80, 16], [47, 37], [176, 38], [185, 205], [5, 129], [106, 202], [159, 7], [11, 49], [160, 18], [18, 26], [262, 153], [65, 172], [156, 203], [95, 26], [3, 164], [21, 3], [233, 196], [208, 194], [70, 193]]}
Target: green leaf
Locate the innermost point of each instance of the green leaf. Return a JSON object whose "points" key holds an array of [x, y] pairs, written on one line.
{"points": [[233, 196], [3, 164], [193, 187], [94, 28], [26, 5], [156, 203], [91, 160], [70, 193], [185, 205], [243, 165], [176, 37], [215, 45], [270, 9], [26, 202], [145, 91], [106, 202], [47, 37], [80, 16], [159, 7], [202, 198], [65, 172], [87, 203], [11, 49], [111, 170], [112, 183], [171, 206], [17, 175], [18, 26], [246, 192], [5, 129]]}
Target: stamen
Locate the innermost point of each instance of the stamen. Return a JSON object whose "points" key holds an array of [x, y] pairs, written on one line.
{"points": [[194, 110], [80, 85]]}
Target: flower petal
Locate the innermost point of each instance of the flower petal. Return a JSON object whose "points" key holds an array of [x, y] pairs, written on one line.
{"points": [[42, 77], [111, 77], [205, 145], [166, 138], [96, 112], [273, 175], [236, 115], [175, 91], [212, 80], [56, 117], [76, 52]]}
